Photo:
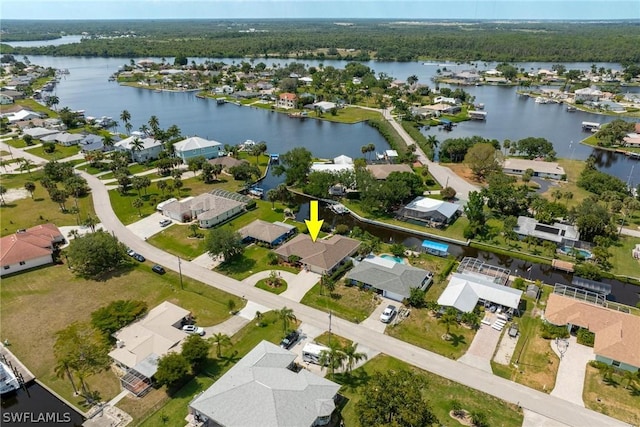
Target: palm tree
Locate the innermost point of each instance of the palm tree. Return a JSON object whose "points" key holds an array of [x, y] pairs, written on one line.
{"points": [[125, 117], [352, 356], [556, 194], [107, 141], [272, 196], [154, 124], [630, 378], [220, 340], [412, 79], [30, 187], [136, 145], [332, 358], [52, 101], [194, 229], [26, 164], [449, 319], [91, 222], [432, 140], [258, 149], [3, 190], [162, 185], [144, 129], [287, 316], [138, 203], [62, 369], [371, 148], [567, 195]]}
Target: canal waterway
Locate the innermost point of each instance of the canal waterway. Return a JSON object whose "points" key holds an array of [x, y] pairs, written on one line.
{"points": [[37, 406]]}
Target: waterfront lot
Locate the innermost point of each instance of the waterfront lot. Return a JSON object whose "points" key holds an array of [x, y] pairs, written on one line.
{"points": [[439, 392], [38, 303], [613, 397]]}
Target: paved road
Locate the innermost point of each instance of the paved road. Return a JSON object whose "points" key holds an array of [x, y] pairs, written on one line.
{"points": [[538, 402]]}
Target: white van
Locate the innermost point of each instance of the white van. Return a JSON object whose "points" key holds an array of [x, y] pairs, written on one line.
{"points": [[311, 353]]}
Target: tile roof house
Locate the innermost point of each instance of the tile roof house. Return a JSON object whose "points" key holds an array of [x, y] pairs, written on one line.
{"points": [[141, 344], [28, 249], [272, 234], [383, 171], [393, 279], [149, 150], [321, 256], [262, 390], [425, 209], [226, 162], [207, 208], [195, 146], [616, 333], [287, 100], [542, 169]]}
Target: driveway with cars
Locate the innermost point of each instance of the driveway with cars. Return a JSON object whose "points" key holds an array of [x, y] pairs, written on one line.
{"points": [[373, 321], [148, 226]]}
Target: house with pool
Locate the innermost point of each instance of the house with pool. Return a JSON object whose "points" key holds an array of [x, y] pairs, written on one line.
{"points": [[389, 276]]}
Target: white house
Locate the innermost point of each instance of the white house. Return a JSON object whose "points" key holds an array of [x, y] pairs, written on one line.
{"points": [[22, 115], [540, 168], [430, 211], [6, 99], [149, 149], [588, 94], [207, 208], [464, 291], [195, 146], [68, 139], [29, 249]]}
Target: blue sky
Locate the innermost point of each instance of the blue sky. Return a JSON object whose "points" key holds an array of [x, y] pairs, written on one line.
{"points": [[334, 9]]}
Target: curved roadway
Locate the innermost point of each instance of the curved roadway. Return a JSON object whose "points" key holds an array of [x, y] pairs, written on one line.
{"points": [[538, 402]]}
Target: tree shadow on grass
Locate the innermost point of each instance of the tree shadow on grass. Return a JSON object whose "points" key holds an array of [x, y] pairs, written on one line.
{"points": [[237, 265], [457, 340], [610, 382], [353, 380]]}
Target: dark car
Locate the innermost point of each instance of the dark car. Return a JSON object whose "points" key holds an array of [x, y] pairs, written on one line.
{"points": [[158, 269], [139, 257], [291, 338]]}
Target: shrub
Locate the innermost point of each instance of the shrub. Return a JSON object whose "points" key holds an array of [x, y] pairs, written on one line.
{"points": [[479, 419], [272, 258], [117, 315], [585, 337], [550, 331], [519, 283], [49, 147], [342, 229], [448, 193]]}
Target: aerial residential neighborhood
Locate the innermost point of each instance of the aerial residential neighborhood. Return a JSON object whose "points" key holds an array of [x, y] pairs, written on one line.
{"points": [[290, 222]]}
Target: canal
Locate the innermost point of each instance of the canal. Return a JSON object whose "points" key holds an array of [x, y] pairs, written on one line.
{"points": [[37, 406]]}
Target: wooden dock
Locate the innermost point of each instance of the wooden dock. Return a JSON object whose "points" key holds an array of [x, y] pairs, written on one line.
{"points": [[23, 374]]}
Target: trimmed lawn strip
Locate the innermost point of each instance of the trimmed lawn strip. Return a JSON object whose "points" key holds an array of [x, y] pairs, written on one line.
{"points": [[51, 298], [348, 302], [253, 260], [326, 337], [422, 329], [175, 406], [439, 393], [177, 240], [262, 284], [623, 262], [61, 152], [612, 398], [18, 143]]}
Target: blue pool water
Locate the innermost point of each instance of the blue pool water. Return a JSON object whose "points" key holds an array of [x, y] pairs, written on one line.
{"points": [[571, 251], [393, 258]]}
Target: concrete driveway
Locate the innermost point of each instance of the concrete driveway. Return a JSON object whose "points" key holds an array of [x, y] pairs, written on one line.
{"points": [[373, 321], [148, 226], [572, 369], [482, 348], [299, 285]]}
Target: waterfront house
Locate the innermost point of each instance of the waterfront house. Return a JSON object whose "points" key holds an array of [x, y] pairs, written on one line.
{"points": [[392, 279], [195, 146], [265, 389], [588, 94], [271, 234], [23, 115], [149, 150], [331, 167], [631, 140], [226, 162], [616, 332], [15, 94], [383, 171], [561, 234], [465, 290], [343, 160], [430, 211], [287, 100], [69, 139], [39, 132], [324, 106], [141, 344], [321, 256], [209, 209], [540, 168], [29, 248]]}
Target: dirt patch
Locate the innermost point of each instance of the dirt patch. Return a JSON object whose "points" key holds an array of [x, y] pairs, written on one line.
{"points": [[14, 194], [463, 171], [464, 419]]}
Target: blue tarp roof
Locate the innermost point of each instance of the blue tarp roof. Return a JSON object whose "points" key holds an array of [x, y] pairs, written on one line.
{"points": [[435, 246]]}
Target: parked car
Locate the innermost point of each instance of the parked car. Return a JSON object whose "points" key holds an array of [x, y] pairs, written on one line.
{"points": [[193, 330], [291, 338], [388, 314], [158, 269], [139, 257], [131, 252], [513, 330], [165, 222]]}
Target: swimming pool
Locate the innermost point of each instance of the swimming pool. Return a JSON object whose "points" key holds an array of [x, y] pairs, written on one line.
{"points": [[568, 250], [393, 258]]}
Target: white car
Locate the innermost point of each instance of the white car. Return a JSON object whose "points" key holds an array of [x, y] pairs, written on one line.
{"points": [[193, 329], [165, 222], [388, 314]]}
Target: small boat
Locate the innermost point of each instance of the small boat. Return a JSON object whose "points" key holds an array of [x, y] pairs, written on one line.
{"points": [[221, 101], [256, 192], [339, 209], [479, 106], [541, 100], [571, 108], [8, 380]]}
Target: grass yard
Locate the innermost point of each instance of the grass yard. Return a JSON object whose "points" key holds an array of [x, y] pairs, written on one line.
{"points": [[348, 302], [612, 397], [60, 152], [178, 240], [38, 303], [262, 284], [16, 142], [573, 169], [533, 364], [28, 212], [327, 337], [253, 260], [349, 115], [422, 329], [31, 104], [623, 262], [439, 393], [454, 231], [158, 408]]}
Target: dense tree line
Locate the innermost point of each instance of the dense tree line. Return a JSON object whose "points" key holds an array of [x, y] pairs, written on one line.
{"points": [[505, 42]]}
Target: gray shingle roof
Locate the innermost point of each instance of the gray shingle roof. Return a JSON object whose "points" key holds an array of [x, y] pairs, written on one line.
{"points": [[265, 231], [260, 391], [388, 275]]}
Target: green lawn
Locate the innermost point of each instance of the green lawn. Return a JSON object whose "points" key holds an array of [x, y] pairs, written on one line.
{"points": [[133, 169], [262, 284], [348, 302], [60, 152], [171, 410], [623, 262], [454, 231], [18, 142], [253, 260], [177, 239], [422, 329], [349, 115], [439, 393], [52, 298], [614, 397], [32, 105]]}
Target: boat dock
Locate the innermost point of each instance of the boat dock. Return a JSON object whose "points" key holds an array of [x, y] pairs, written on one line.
{"points": [[478, 115], [590, 126], [23, 374]]}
